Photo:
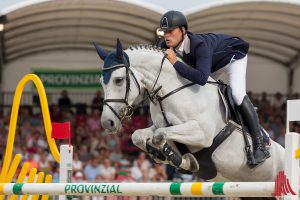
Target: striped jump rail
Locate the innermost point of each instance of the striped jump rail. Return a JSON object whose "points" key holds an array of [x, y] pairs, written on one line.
{"points": [[189, 189]]}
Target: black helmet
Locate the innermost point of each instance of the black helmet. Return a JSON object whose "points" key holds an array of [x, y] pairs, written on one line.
{"points": [[172, 19]]}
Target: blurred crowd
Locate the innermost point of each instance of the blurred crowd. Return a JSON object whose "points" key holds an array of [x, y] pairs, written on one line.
{"points": [[99, 156]]}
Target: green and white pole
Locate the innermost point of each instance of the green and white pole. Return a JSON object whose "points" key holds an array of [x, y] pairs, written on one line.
{"points": [[196, 189]]}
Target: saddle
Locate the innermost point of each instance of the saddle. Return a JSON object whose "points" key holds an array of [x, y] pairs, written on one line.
{"points": [[233, 113]]}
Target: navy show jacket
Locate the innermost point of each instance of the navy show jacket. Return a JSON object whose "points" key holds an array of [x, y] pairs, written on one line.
{"points": [[208, 53]]}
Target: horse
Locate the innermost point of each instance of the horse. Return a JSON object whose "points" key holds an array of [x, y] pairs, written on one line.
{"points": [[182, 113]]}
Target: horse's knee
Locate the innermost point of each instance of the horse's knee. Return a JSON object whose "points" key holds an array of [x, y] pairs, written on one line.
{"points": [[159, 138], [138, 139]]}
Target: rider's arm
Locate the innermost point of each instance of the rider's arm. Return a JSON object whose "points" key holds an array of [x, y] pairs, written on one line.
{"points": [[202, 68]]}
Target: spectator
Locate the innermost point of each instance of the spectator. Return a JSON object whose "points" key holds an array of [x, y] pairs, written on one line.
{"points": [[64, 102], [264, 101], [113, 141], [94, 121], [41, 141], [278, 100], [96, 142], [55, 113], [124, 176], [32, 162], [25, 114], [296, 95], [55, 173], [44, 164], [77, 164], [97, 102], [145, 163], [84, 154], [157, 173], [103, 154], [108, 172], [276, 124], [138, 173], [281, 137], [116, 155], [25, 129], [92, 171], [79, 176]]}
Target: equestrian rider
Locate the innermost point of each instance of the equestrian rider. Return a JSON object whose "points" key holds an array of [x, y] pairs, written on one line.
{"points": [[210, 55]]}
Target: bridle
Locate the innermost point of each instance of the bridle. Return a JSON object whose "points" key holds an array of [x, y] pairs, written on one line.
{"points": [[126, 111]]}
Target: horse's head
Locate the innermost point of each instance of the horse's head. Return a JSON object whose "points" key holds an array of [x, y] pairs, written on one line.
{"points": [[119, 93]]}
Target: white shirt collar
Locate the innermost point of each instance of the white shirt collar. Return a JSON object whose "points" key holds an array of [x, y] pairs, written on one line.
{"points": [[185, 45]]}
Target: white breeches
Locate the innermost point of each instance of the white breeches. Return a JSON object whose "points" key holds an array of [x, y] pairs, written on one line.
{"points": [[236, 74]]}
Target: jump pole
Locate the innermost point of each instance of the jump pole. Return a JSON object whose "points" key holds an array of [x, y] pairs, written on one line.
{"points": [[191, 189]]}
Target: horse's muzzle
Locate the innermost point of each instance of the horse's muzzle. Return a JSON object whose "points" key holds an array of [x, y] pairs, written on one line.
{"points": [[109, 125]]}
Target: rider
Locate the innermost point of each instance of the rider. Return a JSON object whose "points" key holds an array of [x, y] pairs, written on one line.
{"points": [[212, 54]]}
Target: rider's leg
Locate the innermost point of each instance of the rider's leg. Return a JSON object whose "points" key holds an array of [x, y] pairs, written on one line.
{"points": [[237, 79]]}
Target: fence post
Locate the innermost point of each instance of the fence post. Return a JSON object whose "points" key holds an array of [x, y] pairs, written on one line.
{"points": [[65, 167]]}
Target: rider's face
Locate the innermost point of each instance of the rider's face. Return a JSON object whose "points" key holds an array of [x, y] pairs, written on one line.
{"points": [[173, 37]]}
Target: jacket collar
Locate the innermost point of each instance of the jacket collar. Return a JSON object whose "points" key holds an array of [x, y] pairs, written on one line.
{"points": [[194, 40]]}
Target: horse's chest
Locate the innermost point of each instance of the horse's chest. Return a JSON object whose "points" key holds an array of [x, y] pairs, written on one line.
{"points": [[161, 117]]}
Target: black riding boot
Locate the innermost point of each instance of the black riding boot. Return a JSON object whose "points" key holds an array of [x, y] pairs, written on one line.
{"points": [[251, 120]]}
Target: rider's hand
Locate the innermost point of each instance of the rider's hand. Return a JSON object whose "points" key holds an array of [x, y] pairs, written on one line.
{"points": [[171, 56]]}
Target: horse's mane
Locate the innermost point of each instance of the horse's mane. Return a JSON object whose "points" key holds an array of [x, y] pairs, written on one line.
{"points": [[146, 47]]}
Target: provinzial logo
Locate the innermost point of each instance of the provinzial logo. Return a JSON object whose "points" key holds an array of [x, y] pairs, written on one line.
{"points": [[164, 23], [94, 188]]}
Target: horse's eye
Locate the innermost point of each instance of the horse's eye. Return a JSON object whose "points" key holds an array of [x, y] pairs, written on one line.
{"points": [[119, 81]]}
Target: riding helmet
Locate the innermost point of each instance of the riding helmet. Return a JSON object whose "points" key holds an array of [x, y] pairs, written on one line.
{"points": [[173, 19]]}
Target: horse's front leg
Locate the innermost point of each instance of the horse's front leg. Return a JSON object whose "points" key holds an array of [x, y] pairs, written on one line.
{"points": [[188, 133], [142, 138]]}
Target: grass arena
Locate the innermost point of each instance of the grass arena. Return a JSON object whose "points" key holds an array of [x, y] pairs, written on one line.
{"points": [[37, 183]]}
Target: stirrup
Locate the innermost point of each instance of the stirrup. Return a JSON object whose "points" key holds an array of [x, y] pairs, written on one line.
{"points": [[250, 157], [252, 162], [264, 150]]}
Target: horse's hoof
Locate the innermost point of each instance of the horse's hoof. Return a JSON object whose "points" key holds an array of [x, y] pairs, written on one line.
{"points": [[189, 163], [159, 140]]}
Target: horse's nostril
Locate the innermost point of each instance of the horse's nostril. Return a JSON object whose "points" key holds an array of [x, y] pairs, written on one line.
{"points": [[111, 123]]}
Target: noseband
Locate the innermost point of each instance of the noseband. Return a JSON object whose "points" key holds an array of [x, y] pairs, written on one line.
{"points": [[126, 111]]}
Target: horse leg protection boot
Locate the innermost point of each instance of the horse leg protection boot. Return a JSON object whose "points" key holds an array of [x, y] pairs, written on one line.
{"points": [[186, 162], [154, 152], [251, 120]]}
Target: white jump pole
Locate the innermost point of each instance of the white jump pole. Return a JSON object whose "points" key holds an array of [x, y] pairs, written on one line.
{"points": [[292, 143], [196, 189], [65, 166]]}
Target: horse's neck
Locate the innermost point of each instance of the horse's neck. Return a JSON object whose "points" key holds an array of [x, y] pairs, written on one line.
{"points": [[148, 63]]}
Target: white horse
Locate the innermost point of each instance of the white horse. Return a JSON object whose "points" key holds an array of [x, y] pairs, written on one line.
{"points": [[193, 116]]}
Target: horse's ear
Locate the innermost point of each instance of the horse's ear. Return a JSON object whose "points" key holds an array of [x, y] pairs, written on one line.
{"points": [[119, 49], [101, 52]]}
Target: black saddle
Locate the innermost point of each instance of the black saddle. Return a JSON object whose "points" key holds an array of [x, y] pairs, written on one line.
{"points": [[233, 112]]}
